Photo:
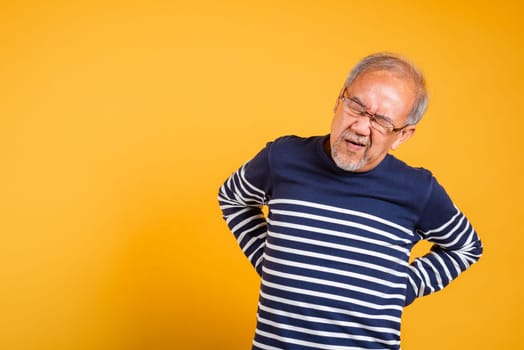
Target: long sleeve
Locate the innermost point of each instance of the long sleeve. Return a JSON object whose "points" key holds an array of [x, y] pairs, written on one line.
{"points": [[456, 247], [333, 252], [241, 202]]}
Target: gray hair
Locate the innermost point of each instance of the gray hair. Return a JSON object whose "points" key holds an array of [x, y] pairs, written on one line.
{"points": [[399, 66]]}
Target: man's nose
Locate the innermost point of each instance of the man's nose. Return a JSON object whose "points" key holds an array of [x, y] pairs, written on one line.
{"points": [[361, 125]]}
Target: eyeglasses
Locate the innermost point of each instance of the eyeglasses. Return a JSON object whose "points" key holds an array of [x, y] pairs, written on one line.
{"points": [[356, 109]]}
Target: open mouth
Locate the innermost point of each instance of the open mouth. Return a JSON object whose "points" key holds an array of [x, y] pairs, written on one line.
{"points": [[357, 143]]}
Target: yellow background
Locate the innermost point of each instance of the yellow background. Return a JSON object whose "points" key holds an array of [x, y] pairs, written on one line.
{"points": [[120, 119]]}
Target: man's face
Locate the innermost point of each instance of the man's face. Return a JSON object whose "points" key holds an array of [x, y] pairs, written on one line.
{"points": [[355, 144]]}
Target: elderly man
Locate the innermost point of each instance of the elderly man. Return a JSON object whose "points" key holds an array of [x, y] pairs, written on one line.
{"points": [[343, 215]]}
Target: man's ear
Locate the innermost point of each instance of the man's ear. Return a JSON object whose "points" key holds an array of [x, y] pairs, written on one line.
{"points": [[404, 135], [338, 99], [336, 105]]}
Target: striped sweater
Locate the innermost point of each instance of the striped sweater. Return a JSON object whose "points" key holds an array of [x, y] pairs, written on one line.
{"points": [[333, 252]]}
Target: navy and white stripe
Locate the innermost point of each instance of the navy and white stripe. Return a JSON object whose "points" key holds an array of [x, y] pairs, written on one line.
{"points": [[334, 264]]}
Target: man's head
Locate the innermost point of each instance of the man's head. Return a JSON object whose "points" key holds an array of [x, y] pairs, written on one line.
{"points": [[382, 100]]}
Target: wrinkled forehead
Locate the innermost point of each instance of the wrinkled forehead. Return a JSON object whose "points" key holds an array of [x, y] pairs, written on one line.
{"points": [[383, 79], [384, 93]]}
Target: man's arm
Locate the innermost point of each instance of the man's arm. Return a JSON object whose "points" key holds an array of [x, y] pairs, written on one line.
{"points": [[456, 247], [241, 203]]}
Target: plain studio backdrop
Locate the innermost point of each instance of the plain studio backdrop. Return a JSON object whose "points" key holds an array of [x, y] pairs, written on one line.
{"points": [[119, 120]]}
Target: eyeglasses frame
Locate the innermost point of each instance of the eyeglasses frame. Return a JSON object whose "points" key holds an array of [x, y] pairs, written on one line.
{"points": [[372, 116]]}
